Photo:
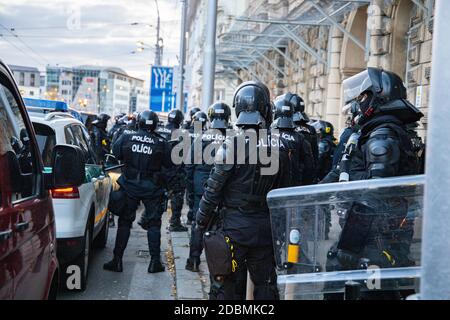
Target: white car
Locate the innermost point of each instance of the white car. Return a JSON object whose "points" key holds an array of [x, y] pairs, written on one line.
{"points": [[81, 213]]}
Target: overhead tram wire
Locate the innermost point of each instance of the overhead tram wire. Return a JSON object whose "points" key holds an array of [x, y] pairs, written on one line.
{"points": [[26, 45], [20, 49], [104, 25]]}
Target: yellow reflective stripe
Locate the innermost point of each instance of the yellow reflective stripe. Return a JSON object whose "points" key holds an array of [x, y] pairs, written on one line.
{"points": [[233, 265], [389, 257], [100, 215]]}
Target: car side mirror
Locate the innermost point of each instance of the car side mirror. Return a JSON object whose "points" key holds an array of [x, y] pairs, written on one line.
{"points": [[68, 166]]}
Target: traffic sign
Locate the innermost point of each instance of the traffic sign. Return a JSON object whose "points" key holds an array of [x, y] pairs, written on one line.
{"points": [[161, 97]]}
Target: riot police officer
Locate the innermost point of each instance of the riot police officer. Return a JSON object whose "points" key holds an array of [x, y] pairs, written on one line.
{"points": [[118, 122], [375, 231], [301, 120], [240, 191], [175, 175], [327, 148], [99, 136], [188, 124], [144, 153], [198, 172], [189, 191], [298, 149]]}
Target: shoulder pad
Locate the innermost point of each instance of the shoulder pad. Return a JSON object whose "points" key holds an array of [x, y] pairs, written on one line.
{"points": [[383, 131]]}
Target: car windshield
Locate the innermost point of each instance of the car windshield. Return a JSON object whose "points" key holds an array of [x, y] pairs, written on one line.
{"points": [[46, 140]]}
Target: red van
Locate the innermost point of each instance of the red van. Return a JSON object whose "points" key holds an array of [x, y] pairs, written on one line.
{"points": [[28, 264]]}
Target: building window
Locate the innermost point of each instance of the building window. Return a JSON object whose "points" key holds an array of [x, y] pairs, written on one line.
{"points": [[219, 94], [21, 79], [32, 80]]}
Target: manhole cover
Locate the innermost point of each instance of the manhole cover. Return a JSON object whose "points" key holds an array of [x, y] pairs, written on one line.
{"points": [[143, 253]]}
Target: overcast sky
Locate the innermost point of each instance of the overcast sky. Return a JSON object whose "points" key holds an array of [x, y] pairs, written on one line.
{"points": [[71, 33]]}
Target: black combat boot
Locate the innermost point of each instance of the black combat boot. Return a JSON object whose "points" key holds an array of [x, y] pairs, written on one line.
{"points": [[155, 265], [177, 228], [192, 264], [114, 265]]}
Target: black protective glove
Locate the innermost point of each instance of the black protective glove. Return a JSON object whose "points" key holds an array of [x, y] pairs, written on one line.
{"points": [[201, 220]]}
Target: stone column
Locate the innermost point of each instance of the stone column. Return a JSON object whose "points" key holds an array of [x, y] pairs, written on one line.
{"points": [[333, 103]]}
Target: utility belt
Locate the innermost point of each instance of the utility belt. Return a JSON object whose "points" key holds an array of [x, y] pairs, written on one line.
{"points": [[245, 202], [133, 174]]}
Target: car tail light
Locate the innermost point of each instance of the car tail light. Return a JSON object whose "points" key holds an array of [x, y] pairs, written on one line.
{"points": [[66, 193]]}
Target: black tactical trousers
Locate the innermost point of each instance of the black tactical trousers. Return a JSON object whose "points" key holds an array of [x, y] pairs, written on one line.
{"points": [[190, 202], [151, 219], [196, 240], [176, 205], [261, 265]]}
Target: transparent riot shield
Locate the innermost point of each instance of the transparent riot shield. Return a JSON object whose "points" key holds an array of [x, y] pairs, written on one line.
{"points": [[364, 233]]}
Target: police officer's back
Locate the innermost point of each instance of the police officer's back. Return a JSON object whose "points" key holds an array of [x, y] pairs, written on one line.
{"points": [[240, 191], [297, 148], [327, 148], [175, 175], [99, 136], [197, 172], [144, 153], [301, 120]]}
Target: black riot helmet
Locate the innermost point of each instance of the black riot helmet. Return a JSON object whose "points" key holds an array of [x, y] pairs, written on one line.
{"points": [[298, 104], [201, 117], [119, 116], [102, 120], [376, 91], [193, 111], [147, 120], [283, 114], [176, 117], [324, 128], [219, 114], [252, 105]]}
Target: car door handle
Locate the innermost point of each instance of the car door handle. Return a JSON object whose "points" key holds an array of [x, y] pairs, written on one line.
{"points": [[22, 226], [5, 235]]}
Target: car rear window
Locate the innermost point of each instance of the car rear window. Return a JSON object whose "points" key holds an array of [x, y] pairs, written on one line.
{"points": [[46, 140]]}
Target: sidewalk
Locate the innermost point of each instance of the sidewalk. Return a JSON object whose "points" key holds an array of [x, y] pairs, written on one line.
{"points": [[189, 285]]}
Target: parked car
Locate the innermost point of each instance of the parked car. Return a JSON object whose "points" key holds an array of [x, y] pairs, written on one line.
{"points": [[28, 264], [52, 106], [81, 212]]}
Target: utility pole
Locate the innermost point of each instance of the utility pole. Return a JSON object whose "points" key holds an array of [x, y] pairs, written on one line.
{"points": [[209, 63], [180, 91], [158, 48]]}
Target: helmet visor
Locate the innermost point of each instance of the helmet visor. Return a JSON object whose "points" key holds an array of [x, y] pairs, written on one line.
{"points": [[284, 123], [219, 124], [354, 86], [249, 118]]}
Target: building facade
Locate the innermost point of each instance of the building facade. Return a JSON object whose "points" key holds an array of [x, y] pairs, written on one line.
{"points": [[28, 80], [311, 47], [97, 89], [225, 80]]}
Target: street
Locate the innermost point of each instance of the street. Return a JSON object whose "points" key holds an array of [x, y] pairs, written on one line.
{"points": [[135, 283]]}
